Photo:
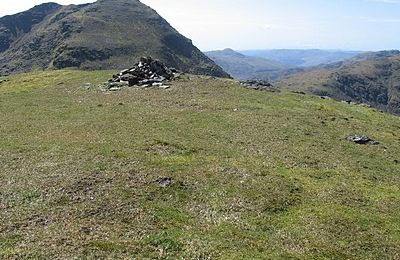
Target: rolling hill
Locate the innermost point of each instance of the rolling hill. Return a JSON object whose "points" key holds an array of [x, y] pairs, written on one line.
{"points": [[246, 67], [102, 35], [371, 78]]}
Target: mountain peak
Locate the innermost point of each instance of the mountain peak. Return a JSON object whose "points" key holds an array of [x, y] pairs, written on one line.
{"points": [[228, 50], [107, 34], [43, 8]]}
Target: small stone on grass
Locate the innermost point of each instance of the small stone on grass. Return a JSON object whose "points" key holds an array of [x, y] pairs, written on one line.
{"points": [[361, 139], [164, 181]]}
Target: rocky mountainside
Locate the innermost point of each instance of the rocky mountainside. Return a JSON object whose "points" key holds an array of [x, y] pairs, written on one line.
{"points": [[107, 34], [245, 67], [371, 78]]}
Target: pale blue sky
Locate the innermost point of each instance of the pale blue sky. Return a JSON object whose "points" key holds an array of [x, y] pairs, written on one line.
{"points": [[262, 24]]}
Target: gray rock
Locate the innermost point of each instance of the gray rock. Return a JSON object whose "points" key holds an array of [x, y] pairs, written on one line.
{"points": [[164, 181], [361, 139], [124, 71], [114, 89], [86, 86], [365, 105], [118, 84], [299, 92], [259, 85]]}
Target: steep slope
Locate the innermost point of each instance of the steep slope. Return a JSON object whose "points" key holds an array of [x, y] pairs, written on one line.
{"points": [[372, 78], [302, 58], [103, 35], [13, 27], [246, 67]]}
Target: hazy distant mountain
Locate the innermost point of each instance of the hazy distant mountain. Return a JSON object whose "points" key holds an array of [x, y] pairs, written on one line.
{"points": [[245, 67], [107, 34], [372, 78], [302, 58]]}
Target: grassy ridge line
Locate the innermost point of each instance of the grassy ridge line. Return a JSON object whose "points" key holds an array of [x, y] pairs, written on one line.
{"points": [[255, 174]]}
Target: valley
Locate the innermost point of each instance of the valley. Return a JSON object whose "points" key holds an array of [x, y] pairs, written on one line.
{"points": [[369, 78]]}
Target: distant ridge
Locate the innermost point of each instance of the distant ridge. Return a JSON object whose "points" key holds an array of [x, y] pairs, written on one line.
{"points": [[372, 78], [245, 67], [302, 58], [107, 34]]}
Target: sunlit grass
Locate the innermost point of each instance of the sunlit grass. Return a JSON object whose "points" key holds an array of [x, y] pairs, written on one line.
{"points": [[255, 174]]}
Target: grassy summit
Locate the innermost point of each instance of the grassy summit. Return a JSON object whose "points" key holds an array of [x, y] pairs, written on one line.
{"points": [[255, 175]]}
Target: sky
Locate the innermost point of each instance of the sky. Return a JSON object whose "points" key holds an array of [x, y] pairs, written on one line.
{"points": [[268, 24]]}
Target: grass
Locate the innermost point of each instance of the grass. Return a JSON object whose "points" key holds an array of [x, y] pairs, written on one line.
{"points": [[256, 175]]}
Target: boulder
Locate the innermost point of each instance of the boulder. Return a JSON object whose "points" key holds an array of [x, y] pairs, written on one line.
{"points": [[361, 139]]}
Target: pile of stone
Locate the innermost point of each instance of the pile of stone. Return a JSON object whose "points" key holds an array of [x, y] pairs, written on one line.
{"points": [[259, 85], [147, 72], [361, 139]]}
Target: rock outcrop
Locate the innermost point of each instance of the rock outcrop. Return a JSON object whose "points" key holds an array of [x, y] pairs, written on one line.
{"points": [[259, 85]]}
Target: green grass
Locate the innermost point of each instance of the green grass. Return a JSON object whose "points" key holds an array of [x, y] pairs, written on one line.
{"points": [[256, 175]]}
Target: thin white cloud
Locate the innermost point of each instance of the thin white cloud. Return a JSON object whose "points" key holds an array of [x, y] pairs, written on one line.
{"points": [[384, 20], [378, 20], [385, 1]]}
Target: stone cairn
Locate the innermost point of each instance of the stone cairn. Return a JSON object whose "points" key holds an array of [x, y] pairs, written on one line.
{"points": [[148, 72]]}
